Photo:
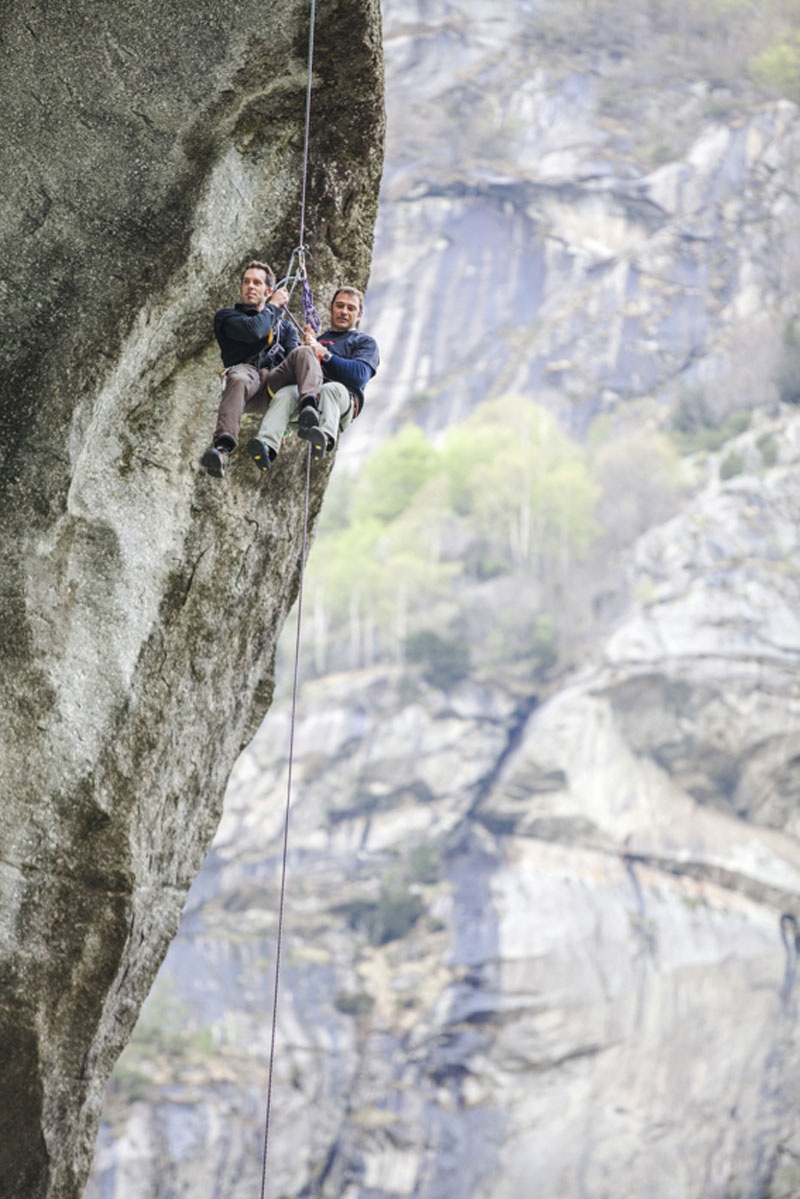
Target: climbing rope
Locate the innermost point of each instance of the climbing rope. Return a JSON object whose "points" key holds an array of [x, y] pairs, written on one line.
{"points": [[282, 902], [312, 21], [296, 271]]}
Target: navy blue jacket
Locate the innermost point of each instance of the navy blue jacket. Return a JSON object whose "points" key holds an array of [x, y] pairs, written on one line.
{"points": [[246, 335], [354, 359]]}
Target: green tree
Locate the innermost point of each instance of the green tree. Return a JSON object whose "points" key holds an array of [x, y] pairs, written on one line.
{"points": [[520, 482], [507, 496], [394, 475], [777, 67]]}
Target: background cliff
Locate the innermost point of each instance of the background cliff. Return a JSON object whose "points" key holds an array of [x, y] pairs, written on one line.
{"points": [[146, 153]]}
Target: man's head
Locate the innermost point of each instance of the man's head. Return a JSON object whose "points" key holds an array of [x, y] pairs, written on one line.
{"points": [[347, 306], [258, 283]]}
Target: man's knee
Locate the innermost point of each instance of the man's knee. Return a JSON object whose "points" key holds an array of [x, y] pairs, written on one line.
{"points": [[237, 378], [239, 373], [338, 394]]}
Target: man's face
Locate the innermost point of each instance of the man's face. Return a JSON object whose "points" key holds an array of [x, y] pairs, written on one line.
{"points": [[344, 312], [255, 290]]}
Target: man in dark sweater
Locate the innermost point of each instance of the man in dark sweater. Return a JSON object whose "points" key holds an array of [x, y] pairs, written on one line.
{"points": [[322, 381], [252, 338]]}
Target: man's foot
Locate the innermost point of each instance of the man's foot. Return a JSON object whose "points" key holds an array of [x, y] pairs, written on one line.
{"points": [[262, 454], [309, 413], [215, 460], [318, 439]]}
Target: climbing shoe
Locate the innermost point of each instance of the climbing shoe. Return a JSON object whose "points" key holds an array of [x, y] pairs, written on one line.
{"points": [[319, 441], [309, 413], [262, 454], [215, 460]]}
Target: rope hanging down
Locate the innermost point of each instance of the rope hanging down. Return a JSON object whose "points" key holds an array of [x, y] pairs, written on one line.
{"points": [[312, 319], [282, 902]]}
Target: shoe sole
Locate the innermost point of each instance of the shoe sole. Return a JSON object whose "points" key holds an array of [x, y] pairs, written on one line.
{"points": [[308, 418], [259, 452], [318, 440], [212, 462]]}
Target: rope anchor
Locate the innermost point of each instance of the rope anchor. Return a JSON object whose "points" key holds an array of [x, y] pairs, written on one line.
{"points": [[297, 272]]}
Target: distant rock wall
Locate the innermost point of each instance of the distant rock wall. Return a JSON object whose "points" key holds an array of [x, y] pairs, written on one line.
{"points": [[147, 151], [528, 249]]}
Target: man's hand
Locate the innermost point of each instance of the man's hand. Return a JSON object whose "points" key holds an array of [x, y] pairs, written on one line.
{"points": [[310, 339], [279, 297]]}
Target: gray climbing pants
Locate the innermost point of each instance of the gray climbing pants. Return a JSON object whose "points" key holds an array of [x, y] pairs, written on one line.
{"points": [[301, 375]]}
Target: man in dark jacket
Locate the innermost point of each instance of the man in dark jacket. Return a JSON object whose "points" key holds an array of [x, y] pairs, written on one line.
{"points": [[322, 381], [252, 339]]}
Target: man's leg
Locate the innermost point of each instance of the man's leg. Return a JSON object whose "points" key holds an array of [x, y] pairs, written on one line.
{"points": [[282, 408], [242, 386], [300, 366], [336, 405]]}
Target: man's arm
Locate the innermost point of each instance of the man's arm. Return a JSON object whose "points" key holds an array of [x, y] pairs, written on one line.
{"points": [[352, 372], [355, 369], [249, 328], [252, 327]]}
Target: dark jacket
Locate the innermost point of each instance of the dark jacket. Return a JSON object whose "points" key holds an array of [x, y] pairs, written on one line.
{"points": [[354, 360], [260, 338]]}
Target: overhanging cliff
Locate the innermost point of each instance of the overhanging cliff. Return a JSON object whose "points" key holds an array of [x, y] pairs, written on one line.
{"points": [[147, 153]]}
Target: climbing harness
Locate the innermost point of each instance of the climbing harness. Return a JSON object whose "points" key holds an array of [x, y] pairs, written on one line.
{"points": [[297, 271]]}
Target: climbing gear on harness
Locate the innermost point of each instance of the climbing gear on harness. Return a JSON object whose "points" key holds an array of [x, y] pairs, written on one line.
{"points": [[297, 272], [275, 350]]}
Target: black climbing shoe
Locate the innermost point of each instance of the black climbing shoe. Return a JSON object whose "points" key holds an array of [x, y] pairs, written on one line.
{"points": [[215, 460], [309, 414], [262, 454], [319, 442]]}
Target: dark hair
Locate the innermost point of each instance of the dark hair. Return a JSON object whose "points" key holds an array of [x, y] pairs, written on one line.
{"points": [[255, 265], [350, 291]]}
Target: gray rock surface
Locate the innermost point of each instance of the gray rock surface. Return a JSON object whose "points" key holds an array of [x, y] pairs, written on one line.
{"points": [[147, 151]]}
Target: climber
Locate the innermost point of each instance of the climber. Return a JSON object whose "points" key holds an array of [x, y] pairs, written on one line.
{"points": [[252, 338], [322, 382]]}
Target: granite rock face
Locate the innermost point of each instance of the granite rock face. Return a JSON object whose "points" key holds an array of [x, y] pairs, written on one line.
{"points": [[147, 153]]}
